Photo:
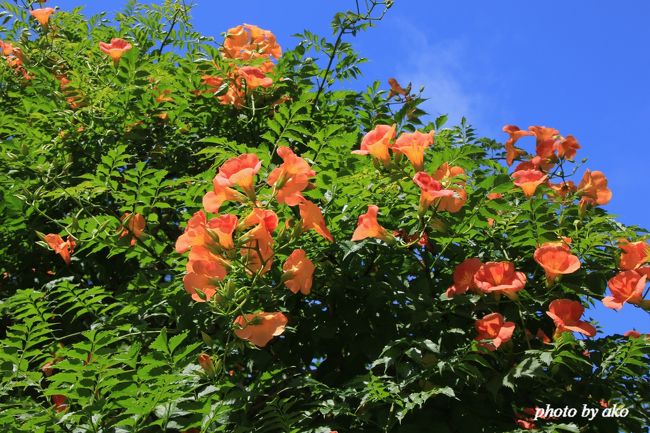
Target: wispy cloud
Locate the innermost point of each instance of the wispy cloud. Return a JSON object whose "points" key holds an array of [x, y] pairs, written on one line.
{"points": [[438, 66]]}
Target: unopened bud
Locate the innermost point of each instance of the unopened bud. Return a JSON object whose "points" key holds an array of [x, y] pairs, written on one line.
{"points": [[205, 361]]}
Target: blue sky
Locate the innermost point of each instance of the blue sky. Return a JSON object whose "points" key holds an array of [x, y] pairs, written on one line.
{"points": [[580, 66]]}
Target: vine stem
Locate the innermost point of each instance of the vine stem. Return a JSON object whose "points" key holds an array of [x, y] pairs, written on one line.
{"points": [[321, 86]]}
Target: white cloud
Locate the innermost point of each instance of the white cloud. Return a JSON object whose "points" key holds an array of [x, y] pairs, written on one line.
{"points": [[439, 68]]}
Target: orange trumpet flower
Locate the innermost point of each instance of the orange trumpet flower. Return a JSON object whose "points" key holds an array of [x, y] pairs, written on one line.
{"points": [[556, 259], [431, 190], [529, 180], [593, 189], [115, 49], [413, 145], [515, 134], [298, 272], [368, 227], [133, 226], [500, 277], [260, 328], [42, 15], [493, 331], [566, 315], [634, 255], [64, 248], [545, 140], [377, 142], [290, 178], [312, 218], [626, 286], [464, 277]]}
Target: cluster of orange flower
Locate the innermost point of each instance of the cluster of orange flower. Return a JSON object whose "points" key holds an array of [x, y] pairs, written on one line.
{"points": [[502, 278], [628, 285], [215, 245], [551, 148], [14, 57], [244, 43], [444, 189], [132, 228]]}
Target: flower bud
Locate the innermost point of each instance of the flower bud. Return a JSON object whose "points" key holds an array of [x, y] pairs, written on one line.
{"points": [[205, 361]]}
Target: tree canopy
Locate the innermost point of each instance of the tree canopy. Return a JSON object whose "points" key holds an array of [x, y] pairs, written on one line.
{"points": [[208, 235]]}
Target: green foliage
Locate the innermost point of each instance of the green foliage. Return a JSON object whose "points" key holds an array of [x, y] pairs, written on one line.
{"points": [[112, 342]]}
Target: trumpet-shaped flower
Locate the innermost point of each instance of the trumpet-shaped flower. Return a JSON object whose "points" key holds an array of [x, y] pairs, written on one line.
{"points": [[248, 41], [8, 49], [492, 331], [566, 315], [593, 189], [195, 233], [634, 255], [298, 272], [42, 15], [377, 142], [500, 277], [368, 226], [64, 248], [226, 90], [221, 193], [204, 272], [632, 333], [563, 189], [241, 171], [224, 226], [133, 226], [452, 178], [312, 219], [258, 249], [567, 147], [515, 134], [254, 77], [396, 89], [529, 180], [290, 178], [266, 217], [556, 259], [207, 364], [260, 328], [626, 286], [60, 402], [413, 145], [464, 277], [545, 140], [115, 49], [430, 190]]}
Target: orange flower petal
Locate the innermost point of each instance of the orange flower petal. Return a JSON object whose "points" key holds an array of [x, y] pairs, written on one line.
{"points": [[312, 219], [556, 259], [368, 227], [566, 315], [42, 15], [377, 142], [298, 272], [529, 180], [492, 331], [260, 328], [413, 145]]}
